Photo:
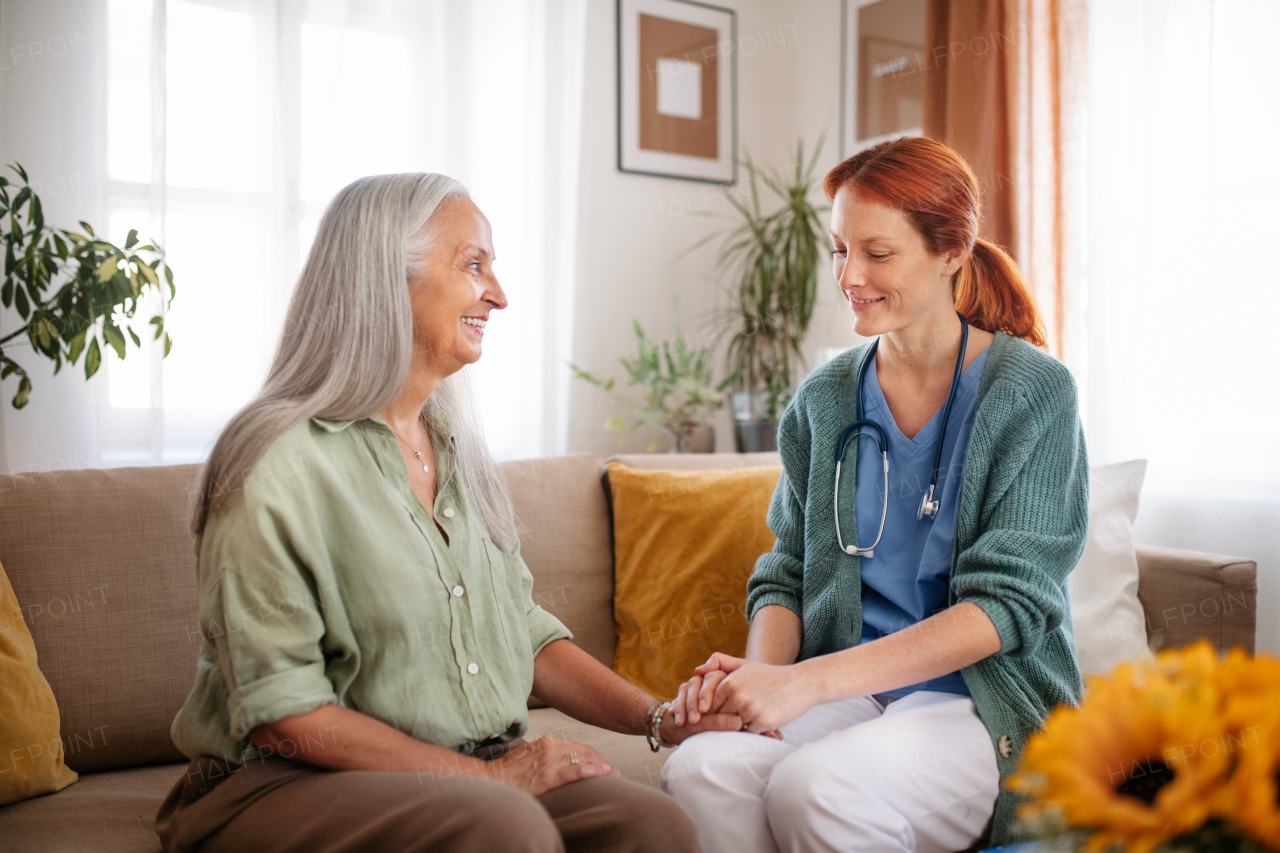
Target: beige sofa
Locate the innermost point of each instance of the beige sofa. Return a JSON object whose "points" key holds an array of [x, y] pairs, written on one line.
{"points": [[102, 564]]}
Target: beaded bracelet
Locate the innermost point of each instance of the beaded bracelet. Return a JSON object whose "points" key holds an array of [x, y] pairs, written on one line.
{"points": [[653, 725]]}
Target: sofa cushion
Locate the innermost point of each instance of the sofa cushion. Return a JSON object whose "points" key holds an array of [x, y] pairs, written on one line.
{"points": [[565, 541], [30, 744], [103, 565], [110, 812], [686, 542]]}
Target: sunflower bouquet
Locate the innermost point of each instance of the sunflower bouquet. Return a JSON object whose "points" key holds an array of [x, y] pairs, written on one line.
{"points": [[1180, 753]]}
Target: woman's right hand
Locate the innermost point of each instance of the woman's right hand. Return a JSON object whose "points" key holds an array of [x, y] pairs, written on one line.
{"points": [[547, 763], [698, 698]]}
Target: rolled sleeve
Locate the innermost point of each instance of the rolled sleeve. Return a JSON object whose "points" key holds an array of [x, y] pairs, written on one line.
{"points": [[545, 628], [285, 694], [269, 643]]}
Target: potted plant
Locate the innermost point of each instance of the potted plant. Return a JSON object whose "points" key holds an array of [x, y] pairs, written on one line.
{"points": [[773, 259], [98, 291], [679, 391]]}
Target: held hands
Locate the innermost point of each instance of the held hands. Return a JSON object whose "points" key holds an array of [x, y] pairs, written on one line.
{"points": [[674, 732], [763, 696], [547, 763]]}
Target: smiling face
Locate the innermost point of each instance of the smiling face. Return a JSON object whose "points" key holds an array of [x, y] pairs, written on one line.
{"points": [[456, 291], [884, 268]]}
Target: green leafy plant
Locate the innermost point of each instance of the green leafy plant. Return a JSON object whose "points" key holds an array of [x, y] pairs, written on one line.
{"points": [[772, 259], [679, 390], [75, 292]]}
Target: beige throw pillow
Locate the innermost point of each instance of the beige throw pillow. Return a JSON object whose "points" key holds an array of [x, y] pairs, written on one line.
{"points": [[1108, 619]]}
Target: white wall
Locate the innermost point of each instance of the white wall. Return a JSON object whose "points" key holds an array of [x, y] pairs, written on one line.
{"points": [[633, 229]]}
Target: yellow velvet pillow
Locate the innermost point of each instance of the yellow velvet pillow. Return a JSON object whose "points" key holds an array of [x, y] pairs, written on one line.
{"points": [[30, 746], [685, 543]]}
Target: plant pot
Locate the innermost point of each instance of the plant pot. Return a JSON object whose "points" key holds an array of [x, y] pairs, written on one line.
{"points": [[755, 436], [752, 431], [696, 438], [749, 406]]}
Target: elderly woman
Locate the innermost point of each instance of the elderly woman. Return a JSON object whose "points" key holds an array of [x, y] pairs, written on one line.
{"points": [[911, 626], [369, 633]]}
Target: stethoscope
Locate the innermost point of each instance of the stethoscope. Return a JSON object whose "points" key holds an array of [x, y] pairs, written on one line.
{"points": [[928, 506]]}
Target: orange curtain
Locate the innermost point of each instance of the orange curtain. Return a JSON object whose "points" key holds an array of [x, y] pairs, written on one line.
{"points": [[966, 100], [1006, 89]]}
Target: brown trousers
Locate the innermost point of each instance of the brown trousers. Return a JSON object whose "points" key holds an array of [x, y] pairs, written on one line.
{"points": [[280, 806]]}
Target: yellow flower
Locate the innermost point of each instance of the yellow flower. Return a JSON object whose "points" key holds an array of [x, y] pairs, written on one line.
{"points": [[1140, 761], [1251, 717]]}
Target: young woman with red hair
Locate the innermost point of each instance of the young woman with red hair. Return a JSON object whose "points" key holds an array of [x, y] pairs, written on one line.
{"points": [[898, 673]]}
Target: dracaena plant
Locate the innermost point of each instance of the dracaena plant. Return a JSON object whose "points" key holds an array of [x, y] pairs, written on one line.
{"points": [[772, 258], [676, 378], [74, 292]]}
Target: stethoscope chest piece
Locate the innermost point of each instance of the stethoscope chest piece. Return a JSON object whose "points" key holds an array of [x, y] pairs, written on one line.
{"points": [[928, 506]]}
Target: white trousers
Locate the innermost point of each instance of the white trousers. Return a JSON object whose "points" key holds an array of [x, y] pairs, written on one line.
{"points": [[917, 774]]}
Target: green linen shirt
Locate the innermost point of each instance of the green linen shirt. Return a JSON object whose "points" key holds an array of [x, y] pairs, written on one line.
{"points": [[326, 581], [1021, 525]]}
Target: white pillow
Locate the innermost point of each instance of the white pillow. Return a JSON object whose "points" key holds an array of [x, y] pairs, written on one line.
{"points": [[1107, 617]]}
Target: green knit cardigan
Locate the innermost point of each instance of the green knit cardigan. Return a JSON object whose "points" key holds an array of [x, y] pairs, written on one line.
{"points": [[1020, 528]]}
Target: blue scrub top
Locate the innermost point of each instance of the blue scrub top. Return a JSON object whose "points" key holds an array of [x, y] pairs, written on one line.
{"points": [[907, 579]]}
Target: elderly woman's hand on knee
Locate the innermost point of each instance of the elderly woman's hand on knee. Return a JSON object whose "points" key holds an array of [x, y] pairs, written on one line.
{"points": [[547, 763]]}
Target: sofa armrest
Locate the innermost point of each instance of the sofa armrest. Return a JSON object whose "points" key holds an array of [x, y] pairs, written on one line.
{"points": [[1187, 595]]}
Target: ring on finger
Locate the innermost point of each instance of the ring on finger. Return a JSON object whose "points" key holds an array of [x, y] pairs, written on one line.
{"points": [[573, 758]]}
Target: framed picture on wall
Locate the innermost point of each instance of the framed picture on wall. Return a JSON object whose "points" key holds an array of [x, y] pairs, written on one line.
{"points": [[677, 90], [884, 65]]}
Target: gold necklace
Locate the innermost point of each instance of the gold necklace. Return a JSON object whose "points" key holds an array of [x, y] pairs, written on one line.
{"points": [[416, 451]]}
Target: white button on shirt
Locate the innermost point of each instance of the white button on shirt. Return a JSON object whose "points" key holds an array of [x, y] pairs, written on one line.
{"points": [[473, 668], [458, 590], [448, 513]]}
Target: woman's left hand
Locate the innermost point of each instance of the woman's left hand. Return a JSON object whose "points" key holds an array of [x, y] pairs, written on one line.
{"points": [[672, 732], [765, 696]]}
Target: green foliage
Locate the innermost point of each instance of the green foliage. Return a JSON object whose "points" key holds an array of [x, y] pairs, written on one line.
{"points": [[75, 293], [679, 390], [773, 260]]}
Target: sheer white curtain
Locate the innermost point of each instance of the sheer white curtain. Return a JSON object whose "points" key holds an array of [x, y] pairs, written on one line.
{"points": [[1184, 288], [223, 127]]}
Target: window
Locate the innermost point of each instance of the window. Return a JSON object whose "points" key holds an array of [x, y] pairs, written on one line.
{"points": [[230, 125]]}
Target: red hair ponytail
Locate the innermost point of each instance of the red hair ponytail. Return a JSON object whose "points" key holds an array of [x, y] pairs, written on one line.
{"points": [[935, 187], [991, 294]]}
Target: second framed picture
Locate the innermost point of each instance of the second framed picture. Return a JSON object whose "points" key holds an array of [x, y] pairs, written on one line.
{"points": [[884, 73], [677, 90]]}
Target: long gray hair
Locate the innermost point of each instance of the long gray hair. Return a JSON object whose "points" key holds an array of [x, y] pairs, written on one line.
{"points": [[347, 343]]}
